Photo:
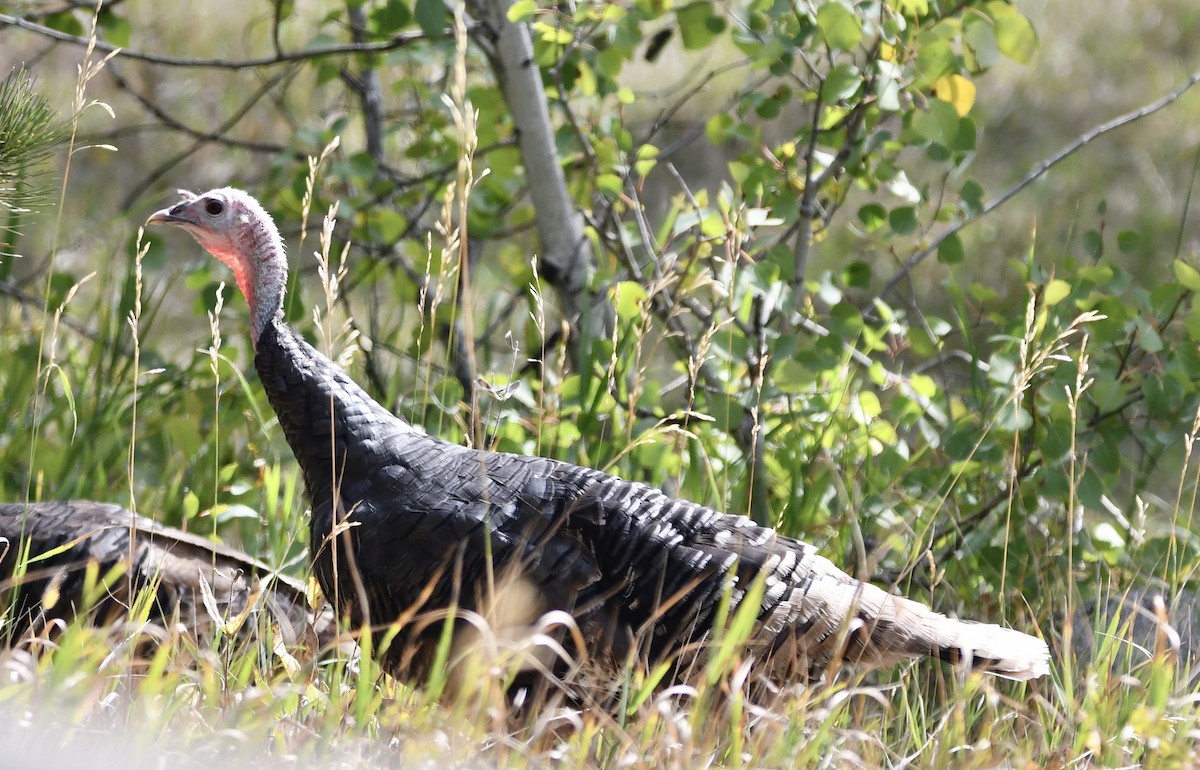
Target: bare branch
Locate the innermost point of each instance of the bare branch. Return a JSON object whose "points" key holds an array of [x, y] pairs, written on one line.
{"points": [[565, 257], [368, 87], [171, 122], [804, 230], [398, 40]]}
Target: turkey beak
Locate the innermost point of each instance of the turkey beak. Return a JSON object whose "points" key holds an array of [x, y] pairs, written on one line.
{"points": [[175, 215]]}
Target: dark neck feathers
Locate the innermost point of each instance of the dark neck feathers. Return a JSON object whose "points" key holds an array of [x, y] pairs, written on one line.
{"points": [[321, 410]]}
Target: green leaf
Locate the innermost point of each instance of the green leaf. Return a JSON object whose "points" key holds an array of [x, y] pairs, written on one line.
{"points": [[1191, 324], [64, 21], [1187, 275], [950, 250], [982, 293], [1164, 299], [284, 10], [391, 17], [933, 61], [792, 376], [1011, 419], [386, 225], [971, 196], [1015, 37], [964, 138], [841, 83], [521, 10], [191, 505], [552, 33], [711, 225], [868, 404], [927, 126], [857, 275], [587, 78], [1099, 275], [609, 184], [431, 16], [630, 297], [872, 215], [923, 385], [1001, 369], [610, 60], [60, 284], [117, 29], [447, 394], [1056, 291], [841, 28], [698, 25], [719, 127], [903, 219], [1149, 337], [948, 120], [647, 158], [613, 12], [979, 37], [1128, 240]]}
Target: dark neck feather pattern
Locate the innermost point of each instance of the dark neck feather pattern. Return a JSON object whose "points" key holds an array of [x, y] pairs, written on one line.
{"points": [[316, 401]]}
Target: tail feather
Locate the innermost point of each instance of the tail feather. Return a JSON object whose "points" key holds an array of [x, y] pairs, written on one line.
{"points": [[899, 625], [834, 616], [997, 650]]}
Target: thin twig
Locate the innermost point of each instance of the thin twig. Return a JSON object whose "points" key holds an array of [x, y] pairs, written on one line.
{"points": [[959, 527], [666, 115], [171, 122], [396, 41], [1033, 175], [10, 289]]}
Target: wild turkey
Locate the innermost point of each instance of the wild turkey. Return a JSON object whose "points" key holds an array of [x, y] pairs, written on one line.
{"points": [[57, 540], [424, 525]]}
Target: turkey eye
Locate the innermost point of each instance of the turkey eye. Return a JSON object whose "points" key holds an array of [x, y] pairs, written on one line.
{"points": [[214, 208]]}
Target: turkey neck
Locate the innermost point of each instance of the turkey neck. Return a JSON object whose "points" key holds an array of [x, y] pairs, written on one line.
{"points": [[261, 273], [330, 422]]}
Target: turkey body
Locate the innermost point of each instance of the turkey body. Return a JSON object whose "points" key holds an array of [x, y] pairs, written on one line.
{"points": [[422, 524], [62, 538], [405, 524]]}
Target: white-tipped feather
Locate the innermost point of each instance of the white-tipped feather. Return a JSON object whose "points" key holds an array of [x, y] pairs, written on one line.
{"points": [[844, 619], [1008, 653]]}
